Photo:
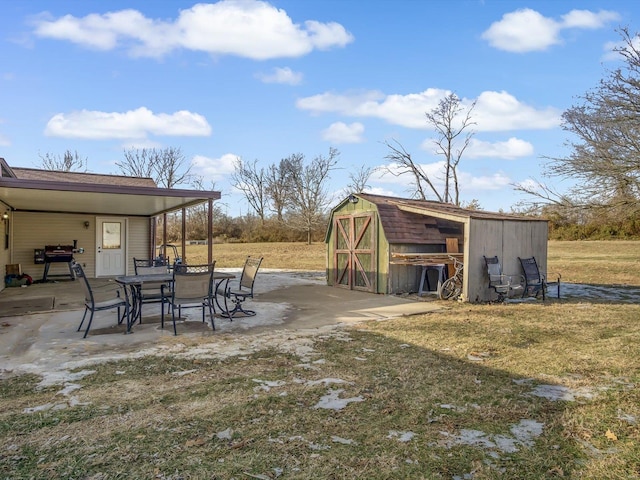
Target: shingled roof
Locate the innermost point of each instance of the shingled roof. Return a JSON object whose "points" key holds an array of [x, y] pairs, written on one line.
{"points": [[82, 177], [424, 222]]}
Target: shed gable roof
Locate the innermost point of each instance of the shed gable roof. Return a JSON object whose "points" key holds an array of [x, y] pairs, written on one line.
{"points": [[444, 210], [408, 227], [412, 221]]}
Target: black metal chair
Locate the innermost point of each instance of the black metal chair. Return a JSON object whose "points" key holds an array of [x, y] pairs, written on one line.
{"points": [[238, 293], [192, 287], [505, 286], [92, 305], [149, 293], [535, 281]]}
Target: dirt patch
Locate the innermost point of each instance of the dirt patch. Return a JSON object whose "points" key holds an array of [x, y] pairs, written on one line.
{"points": [[24, 306]]}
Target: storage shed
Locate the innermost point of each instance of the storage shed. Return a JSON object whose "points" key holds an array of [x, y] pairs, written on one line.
{"points": [[372, 242]]}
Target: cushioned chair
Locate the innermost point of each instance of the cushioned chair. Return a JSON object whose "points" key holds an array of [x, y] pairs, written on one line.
{"points": [[239, 292], [149, 293], [113, 300], [505, 286], [192, 287]]}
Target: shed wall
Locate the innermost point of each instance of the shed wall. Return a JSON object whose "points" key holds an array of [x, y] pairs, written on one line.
{"points": [[508, 239], [381, 263]]}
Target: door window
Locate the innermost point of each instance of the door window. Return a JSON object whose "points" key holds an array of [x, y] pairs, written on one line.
{"points": [[111, 235]]}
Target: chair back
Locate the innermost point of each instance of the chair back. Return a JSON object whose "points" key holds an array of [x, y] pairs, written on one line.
{"points": [[494, 269], [78, 273], [139, 263], [193, 281], [151, 270], [249, 272], [530, 269]]}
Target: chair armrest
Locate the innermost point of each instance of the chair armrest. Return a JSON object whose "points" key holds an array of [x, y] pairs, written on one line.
{"points": [[105, 290], [515, 279]]}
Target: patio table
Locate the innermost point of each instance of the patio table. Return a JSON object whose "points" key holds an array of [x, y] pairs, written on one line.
{"points": [[133, 286]]}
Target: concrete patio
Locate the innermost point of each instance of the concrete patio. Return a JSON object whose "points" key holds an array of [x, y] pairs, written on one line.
{"points": [[287, 303]]}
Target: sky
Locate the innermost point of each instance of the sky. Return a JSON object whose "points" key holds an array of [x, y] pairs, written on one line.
{"points": [[260, 81]]}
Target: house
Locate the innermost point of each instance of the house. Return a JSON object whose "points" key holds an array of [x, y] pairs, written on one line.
{"points": [[109, 219], [370, 237]]}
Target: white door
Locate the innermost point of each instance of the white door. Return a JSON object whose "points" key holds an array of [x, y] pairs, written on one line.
{"points": [[110, 243]]}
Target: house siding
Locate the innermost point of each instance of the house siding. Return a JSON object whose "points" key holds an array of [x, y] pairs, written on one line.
{"points": [[5, 253], [138, 241], [33, 230]]}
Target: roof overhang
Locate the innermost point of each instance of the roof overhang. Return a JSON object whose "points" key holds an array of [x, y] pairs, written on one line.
{"points": [[65, 197]]}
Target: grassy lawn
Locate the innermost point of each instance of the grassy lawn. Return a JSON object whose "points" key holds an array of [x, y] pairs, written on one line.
{"points": [[521, 390]]}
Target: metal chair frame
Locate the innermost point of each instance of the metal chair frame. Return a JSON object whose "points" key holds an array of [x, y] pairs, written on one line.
{"points": [[244, 288], [535, 281], [149, 293], [192, 287], [503, 285], [90, 303]]}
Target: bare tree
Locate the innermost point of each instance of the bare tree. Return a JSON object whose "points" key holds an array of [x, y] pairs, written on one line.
{"points": [[277, 186], [307, 192], [403, 164], [69, 162], [358, 179], [197, 217], [604, 162], [452, 123], [165, 166], [251, 181]]}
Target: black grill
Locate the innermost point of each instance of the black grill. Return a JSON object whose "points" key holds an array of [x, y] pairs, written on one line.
{"points": [[57, 254]]}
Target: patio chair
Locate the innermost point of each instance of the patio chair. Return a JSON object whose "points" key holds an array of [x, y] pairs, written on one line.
{"points": [[192, 288], [535, 281], [93, 305], [503, 285], [238, 293], [149, 293]]}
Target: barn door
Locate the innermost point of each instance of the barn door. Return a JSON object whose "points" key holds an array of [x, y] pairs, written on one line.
{"points": [[355, 255]]}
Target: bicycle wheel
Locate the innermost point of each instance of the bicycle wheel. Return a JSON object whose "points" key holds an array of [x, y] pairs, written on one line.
{"points": [[450, 289]]}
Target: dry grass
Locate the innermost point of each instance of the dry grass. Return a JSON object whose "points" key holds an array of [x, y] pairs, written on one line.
{"points": [[592, 262], [294, 256], [596, 262], [457, 386]]}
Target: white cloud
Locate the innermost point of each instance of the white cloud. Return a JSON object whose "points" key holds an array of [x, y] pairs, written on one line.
{"points": [[512, 148], [589, 19], [214, 169], [128, 125], [501, 111], [340, 132], [470, 183], [390, 173], [246, 28], [494, 111], [612, 49], [281, 75], [527, 30], [4, 141]]}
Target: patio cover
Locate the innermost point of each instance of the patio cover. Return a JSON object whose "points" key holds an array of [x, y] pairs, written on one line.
{"points": [[98, 199]]}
